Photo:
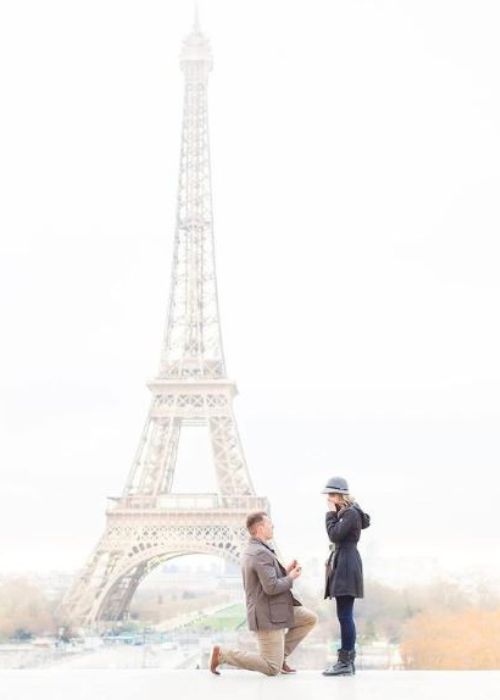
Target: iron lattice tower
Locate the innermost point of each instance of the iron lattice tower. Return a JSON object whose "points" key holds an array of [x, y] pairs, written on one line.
{"points": [[150, 524]]}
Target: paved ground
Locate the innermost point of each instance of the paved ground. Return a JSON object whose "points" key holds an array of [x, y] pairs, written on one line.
{"points": [[239, 685]]}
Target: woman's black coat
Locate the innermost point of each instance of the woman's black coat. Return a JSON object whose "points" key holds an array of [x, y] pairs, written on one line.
{"points": [[344, 571]]}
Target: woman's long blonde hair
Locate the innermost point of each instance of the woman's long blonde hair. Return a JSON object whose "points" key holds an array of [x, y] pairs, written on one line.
{"points": [[347, 500]]}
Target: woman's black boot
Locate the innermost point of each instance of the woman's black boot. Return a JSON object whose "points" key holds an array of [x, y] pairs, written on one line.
{"points": [[343, 667]]}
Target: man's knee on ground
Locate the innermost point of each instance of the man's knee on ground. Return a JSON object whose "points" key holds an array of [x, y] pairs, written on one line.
{"points": [[272, 671], [273, 668]]}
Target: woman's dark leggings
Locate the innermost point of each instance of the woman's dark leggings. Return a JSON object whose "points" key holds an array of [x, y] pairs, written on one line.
{"points": [[345, 605]]}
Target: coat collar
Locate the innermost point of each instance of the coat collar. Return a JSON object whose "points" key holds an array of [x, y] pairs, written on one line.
{"points": [[255, 540]]}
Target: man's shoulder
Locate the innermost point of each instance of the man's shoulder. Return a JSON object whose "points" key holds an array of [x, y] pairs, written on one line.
{"points": [[255, 549]]}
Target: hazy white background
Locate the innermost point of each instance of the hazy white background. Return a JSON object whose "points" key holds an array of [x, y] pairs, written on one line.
{"points": [[355, 156]]}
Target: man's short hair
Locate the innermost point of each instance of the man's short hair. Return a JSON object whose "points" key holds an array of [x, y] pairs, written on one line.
{"points": [[254, 519]]}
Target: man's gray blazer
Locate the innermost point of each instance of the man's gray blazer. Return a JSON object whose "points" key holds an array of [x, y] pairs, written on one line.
{"points": [[267, 587]]}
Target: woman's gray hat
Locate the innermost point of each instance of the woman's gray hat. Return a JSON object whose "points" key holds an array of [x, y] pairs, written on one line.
{"points": [[336, 485]]}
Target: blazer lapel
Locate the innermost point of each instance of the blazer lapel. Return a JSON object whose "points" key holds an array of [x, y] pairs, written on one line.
{"points": [[281, 566]]}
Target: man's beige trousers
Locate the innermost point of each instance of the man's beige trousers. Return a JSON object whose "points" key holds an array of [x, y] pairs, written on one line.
{"points": [[274, 645]]}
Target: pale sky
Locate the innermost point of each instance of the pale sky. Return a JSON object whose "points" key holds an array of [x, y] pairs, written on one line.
{"points": [[355, 163]]}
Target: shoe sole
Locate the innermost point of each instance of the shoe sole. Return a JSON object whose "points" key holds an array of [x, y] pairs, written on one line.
{"points": [[212, 667], [332, 675], [337, 674]]}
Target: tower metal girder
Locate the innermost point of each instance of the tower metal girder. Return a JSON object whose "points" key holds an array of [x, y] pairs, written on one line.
{"points": [[149, 523]]}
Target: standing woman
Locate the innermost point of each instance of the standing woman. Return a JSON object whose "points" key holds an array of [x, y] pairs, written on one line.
{"points": [[344, 570]]}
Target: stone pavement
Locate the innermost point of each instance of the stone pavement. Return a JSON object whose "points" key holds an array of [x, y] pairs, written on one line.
{"points": [[155, 684]]}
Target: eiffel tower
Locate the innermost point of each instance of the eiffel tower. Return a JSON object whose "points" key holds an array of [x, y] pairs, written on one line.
{"points": [[149, 524]]}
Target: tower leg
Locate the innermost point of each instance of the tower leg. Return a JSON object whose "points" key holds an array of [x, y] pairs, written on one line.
{"points": [[133, 545], [230, 465], [152, 472]]}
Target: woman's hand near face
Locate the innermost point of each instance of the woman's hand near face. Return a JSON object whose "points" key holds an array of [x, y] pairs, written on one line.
{"points": [[331, 504]]}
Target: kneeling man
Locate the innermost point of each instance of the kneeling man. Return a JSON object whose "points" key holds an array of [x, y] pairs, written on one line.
{"points": [[271, 607]]}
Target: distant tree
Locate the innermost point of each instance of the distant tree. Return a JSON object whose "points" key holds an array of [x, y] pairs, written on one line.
{"points": [[22, 635], [65, 634], [463, 640], [24, 609], [369, 631]]}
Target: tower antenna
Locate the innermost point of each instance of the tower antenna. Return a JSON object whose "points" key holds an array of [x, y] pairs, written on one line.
{"points": [[196, 22]]}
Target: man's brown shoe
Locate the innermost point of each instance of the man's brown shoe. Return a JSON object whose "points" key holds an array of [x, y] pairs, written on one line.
{"points": [[215, 660], [286, 668]]}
